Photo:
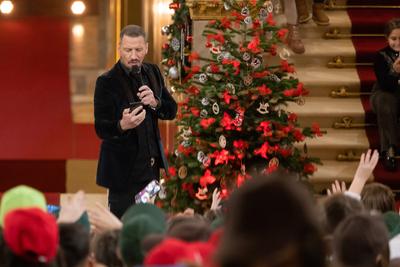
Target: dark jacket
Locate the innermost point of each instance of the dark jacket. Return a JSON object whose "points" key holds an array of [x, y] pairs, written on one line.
{"points": [[386, 78], [119, 149]]}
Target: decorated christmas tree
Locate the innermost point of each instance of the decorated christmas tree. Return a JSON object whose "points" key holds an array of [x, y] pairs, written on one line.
{"points": [[232, 118]]}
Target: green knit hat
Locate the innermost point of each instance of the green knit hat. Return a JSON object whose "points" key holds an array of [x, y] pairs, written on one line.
{"points": [[21, 196], [392, 222], [138, 222]]}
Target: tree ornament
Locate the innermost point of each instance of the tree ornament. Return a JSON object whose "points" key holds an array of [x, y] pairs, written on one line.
{"points": [[243, 169], [175, 44], [203, 78], [269, 6], [176, 152], [222, 141], [263, 108], [231, 88], [274, 78], [202, 193], [247, 80], [273, 162], [205, 101], [216, 50], [245, 11], [203, 113], [217, 77], [174, 6], [277, 8], [227, 6], [263, 13], [238, 121], [206, 161], [172, 89], [226, 55], [165, 30], [182, 172], [220, 57], [200, 156], [248, 20], [300, 101], [186, 134], [246, 56], [284, 54], [162, 194], [186, 143], [189, 38], [215, 108], [255, 63], [173, 73], [269, 35]]}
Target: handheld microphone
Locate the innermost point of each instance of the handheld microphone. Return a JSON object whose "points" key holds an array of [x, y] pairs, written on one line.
{"points": [[137, 72]]}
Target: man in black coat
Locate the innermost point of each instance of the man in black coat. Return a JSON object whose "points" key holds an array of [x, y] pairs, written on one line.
{"points": [[128, 101]]}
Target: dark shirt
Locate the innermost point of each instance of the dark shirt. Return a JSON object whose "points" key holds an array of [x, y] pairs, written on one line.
{"points": [[147, 146], [387, 78]]}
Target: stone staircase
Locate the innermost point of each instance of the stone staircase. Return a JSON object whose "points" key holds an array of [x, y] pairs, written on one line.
{"points": [[312, 69]]}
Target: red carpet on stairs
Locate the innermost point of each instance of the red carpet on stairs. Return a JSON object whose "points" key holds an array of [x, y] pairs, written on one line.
{"points": [[372, 21]]}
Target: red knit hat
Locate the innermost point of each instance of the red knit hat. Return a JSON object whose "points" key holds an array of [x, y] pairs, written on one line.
{"points": [[171, 251], [31, 234]]}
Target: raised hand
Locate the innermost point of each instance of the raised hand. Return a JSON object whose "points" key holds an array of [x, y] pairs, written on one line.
{"points": [[337, 188]]}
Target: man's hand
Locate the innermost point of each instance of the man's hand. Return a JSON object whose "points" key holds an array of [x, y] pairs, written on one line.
{"points": [[146, 96], [101, 219], [132, 119]]}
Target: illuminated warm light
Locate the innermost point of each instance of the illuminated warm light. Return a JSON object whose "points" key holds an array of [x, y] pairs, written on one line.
{"points": [[78, 31], [78, 7], [163, 8], [6, 7]]}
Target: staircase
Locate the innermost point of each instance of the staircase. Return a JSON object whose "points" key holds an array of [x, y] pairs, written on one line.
{"points": [[349, 131]]}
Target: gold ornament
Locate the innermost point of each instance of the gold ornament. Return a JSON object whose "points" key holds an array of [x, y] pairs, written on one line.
{"points": [[300, 101], [273, 162], [182, 172]]}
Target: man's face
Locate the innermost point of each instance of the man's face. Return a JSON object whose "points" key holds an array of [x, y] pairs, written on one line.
{"points": [[132, 50]]}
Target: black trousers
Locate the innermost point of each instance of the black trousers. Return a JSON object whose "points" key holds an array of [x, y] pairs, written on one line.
{"points": [[119, 202], [386, 105]]}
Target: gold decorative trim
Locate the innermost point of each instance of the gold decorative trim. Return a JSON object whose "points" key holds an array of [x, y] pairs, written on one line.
{"points": [[348, 156], [342, 92], [338, 62], [335, 33], [206, 9], [347, 123]]}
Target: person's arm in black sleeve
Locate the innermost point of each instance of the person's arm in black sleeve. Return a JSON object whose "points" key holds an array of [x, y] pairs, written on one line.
{"points": [[106, 120], [167, 107], [387, 78]]}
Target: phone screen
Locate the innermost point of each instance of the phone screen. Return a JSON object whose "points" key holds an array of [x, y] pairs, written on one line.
{"points": [[148, 192]]}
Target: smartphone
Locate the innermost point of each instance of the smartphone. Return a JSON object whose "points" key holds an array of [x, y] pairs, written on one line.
{"points": [[133, 105], [148, 192], [53, 209]]}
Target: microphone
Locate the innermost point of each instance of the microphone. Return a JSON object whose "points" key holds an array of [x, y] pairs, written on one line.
{"points": [[136, 71]]}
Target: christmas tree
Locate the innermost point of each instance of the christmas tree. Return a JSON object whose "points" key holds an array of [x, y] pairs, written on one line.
{"points": [[232, 116]]}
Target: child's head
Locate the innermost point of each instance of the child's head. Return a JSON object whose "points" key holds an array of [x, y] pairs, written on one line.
{"points": [[376, 196], [392, 33]]}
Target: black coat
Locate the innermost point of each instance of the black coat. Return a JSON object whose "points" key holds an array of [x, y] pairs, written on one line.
{"points": [[386, 78], [118, 149]]}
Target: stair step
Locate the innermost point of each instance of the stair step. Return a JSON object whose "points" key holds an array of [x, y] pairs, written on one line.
{"points": [[319, 53], [335, 142], [327, 111], [338, 20], [321, 81], [332, 170]]}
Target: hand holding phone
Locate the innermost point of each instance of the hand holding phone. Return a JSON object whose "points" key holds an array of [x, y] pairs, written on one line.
{"points": [[148, 192]]}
